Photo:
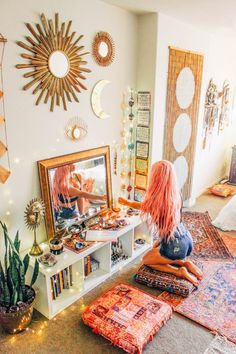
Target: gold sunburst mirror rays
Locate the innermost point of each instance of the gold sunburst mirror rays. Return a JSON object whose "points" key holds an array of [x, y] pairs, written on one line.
{"points": [[56, 62]]}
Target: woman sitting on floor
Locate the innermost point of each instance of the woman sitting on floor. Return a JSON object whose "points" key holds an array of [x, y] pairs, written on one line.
{"points": [[161, 209]]}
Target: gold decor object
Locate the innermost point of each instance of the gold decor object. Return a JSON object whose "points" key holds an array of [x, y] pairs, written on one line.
{"points": [[76, 129], [4, 172], [2, 120], [103, 49], [34, 215], [55, 61]]}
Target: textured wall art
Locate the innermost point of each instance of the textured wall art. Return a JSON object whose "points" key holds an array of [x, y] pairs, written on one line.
{"points": [[183, 93], [103, 49], [76, 129], [142, 144], [4, 171], [96, 99], [211, 112], [56, 62], [225, 112]]}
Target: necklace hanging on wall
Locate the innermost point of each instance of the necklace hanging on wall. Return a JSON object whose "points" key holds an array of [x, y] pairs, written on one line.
{"points": [[56, 62], [4, 172]]}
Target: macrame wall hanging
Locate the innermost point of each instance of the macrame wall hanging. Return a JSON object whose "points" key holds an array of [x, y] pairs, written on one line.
{"points": [[4, 156]]}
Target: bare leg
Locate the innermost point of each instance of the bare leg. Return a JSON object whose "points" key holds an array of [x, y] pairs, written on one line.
{"points": [[154, 260], [181, 272], [193, 269]]}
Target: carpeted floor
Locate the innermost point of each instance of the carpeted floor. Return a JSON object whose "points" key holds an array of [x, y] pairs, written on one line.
{"points": [[66, 333]]}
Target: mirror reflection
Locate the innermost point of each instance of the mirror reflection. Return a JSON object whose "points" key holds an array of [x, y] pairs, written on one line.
{"points": [[78, 191], [103, 49], [59, 64]]}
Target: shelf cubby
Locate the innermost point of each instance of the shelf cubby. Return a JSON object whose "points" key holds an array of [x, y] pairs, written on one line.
{"points": [[101, 251]]}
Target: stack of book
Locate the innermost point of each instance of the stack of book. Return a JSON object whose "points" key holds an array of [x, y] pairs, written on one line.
{"points": [[60, 281], [90, 265]]}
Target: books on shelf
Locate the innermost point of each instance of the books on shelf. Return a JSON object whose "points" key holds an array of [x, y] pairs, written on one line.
{"points": [[90, 265], [60, 281]]}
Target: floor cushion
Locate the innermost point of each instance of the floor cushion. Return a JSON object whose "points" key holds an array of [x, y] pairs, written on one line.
{"points": [[163, 281], [127, 317]]}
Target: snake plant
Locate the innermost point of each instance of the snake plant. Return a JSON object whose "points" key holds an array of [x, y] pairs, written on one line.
{"points": [[12, 272]]}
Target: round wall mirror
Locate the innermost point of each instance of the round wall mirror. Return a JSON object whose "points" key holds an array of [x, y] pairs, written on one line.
{"points": [[103, 49], [182, 132], [76, 132], [185, 88], [181, 169], [59, 64]]}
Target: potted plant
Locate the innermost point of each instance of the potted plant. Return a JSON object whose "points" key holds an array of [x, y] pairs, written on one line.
{"points": [[16, 298]]}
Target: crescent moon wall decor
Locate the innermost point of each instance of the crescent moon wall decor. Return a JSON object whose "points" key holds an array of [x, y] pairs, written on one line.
{"points": [[55, 62], [96, 99], [103, 49]]}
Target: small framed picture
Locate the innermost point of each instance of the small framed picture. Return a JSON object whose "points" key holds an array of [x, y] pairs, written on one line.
{"points": [[141, 166], [140, 181], [142, 150], [144, 100], [143, 117], [139, 194], [142, 134]]}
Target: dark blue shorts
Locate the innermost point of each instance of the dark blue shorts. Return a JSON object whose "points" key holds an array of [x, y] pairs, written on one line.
{"points": [[180, 247]]}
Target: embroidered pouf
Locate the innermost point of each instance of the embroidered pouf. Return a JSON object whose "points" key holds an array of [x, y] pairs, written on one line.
{"points": [[163, 281], [127, 317]]}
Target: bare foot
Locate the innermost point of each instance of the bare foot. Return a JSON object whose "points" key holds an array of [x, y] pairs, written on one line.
{"points": [[183, 273], [193, 269]]}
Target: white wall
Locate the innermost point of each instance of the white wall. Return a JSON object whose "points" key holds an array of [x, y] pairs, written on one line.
{"points": [[35, 133], [219, 63], [147, 61]]}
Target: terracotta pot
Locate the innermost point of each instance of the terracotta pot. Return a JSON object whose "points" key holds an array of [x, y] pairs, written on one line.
{"points": [[15, 322]]}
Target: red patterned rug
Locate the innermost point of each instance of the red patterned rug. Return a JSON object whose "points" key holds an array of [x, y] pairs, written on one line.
{"points": [[213, 304], [208, 244]]}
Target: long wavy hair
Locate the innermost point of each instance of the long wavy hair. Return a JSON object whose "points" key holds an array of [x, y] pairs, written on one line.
{"points": [[161, 207], [61, 183]]}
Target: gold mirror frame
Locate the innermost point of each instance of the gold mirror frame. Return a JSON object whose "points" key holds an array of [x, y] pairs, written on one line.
{"points": [[103, 37], [45, 165], [47, 39]]}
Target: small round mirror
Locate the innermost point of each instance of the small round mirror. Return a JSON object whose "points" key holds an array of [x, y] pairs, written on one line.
{"points": [[103, 49], [76, 132], [58, 64]]}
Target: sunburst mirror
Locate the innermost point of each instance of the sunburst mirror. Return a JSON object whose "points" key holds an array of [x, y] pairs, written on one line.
{"points": [[103, 49], [56, 62]]}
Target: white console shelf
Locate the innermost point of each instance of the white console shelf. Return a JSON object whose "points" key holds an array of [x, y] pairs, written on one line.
{"points": [[101, 251]]}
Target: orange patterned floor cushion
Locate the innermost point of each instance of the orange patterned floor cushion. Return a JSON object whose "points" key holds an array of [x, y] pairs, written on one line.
{"points": [[127, 317]]}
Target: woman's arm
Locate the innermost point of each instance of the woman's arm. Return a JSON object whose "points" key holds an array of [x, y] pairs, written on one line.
{"points": [[129, 203], [74, 192]]}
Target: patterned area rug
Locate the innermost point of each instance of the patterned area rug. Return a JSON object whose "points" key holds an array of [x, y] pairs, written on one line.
{"points": [[220, 345], [213, 304], [230, 242], [208, 244]]}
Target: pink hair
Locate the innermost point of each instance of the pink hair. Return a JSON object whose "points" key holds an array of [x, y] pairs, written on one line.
{"points": [[162, 202], [60, 185]]}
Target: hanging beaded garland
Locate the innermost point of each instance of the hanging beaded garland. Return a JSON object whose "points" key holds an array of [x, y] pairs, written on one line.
{"points": [[127, 145]]}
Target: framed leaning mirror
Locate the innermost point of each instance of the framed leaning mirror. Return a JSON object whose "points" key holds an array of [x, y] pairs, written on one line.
{"points": [[75, 187]]}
